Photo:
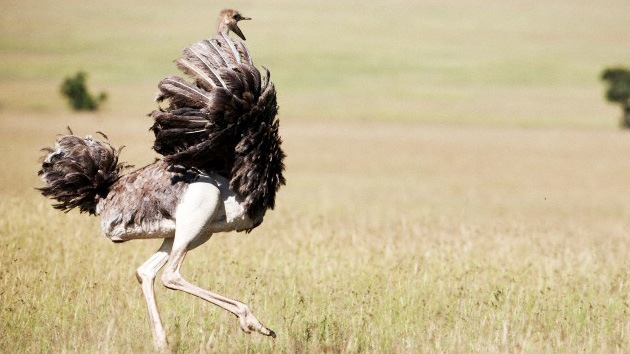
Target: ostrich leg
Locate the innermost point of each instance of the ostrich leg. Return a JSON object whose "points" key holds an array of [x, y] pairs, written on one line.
{"points": [[146, 275], [195, 213]]}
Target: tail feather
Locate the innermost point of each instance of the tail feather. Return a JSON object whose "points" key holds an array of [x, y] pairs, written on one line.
{"points": [[78, 172]]}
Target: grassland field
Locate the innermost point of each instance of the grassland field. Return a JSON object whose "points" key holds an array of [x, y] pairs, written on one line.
{"points": [[456, 182]]}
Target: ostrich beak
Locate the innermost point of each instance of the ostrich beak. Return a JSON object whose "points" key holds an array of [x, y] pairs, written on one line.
{"points": [[234, 28]]}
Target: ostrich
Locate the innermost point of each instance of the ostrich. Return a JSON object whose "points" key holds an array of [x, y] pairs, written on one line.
{"points": [[221, 169]]}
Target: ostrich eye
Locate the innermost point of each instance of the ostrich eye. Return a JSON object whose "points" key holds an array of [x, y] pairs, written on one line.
{"points": [[236, 17]]}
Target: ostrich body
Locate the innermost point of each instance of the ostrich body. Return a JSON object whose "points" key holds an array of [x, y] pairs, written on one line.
{"points": [[221, 170]]}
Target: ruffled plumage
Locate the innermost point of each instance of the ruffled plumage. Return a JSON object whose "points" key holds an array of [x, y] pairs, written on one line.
{"points": [[79, 171], [224, 120]]}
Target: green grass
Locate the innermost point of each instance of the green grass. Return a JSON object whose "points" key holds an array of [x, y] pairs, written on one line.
{"points": [[456, 182]]}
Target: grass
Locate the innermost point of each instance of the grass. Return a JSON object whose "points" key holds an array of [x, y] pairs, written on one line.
{"points": [[403, 237], [456, 182]]}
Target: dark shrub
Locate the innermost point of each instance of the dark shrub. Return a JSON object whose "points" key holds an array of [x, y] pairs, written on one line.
{"points": [[75, 90]]}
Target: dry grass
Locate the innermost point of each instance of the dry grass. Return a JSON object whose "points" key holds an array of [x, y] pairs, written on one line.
{"points": [[389, 237]]}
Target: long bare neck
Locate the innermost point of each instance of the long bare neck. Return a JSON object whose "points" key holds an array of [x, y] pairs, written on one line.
{"points": [[222, 27]]}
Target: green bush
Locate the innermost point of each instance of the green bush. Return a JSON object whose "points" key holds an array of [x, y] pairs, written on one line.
{"points": [[618, 91], [75, 90]]}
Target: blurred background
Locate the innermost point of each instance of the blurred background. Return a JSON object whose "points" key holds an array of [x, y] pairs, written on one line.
{"points": [[482, 62]]}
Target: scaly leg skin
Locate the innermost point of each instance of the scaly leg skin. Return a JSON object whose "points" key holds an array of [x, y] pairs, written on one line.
{"points": [[195, 213], [146, 275], [173, 280]]}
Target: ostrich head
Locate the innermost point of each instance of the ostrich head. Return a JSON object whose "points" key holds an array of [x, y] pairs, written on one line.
{"points": [[228, 21]]}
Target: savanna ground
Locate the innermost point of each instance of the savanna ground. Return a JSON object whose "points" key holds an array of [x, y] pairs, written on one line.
{"points": [[456, 182]]}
